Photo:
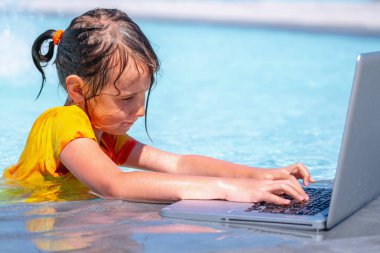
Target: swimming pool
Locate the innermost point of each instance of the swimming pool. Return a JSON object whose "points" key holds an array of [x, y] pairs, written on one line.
{"points": [[253, 96], [259, 97]]}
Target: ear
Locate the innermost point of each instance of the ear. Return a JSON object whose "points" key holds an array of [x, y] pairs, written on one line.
{"points": [[75, 89]]}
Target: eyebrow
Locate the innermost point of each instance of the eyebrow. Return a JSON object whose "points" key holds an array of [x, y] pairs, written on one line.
{"points": [[128, 95], [132, 94]]}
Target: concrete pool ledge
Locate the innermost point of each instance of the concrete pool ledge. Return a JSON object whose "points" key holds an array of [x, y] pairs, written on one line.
{"points": [[339, 17], [122, 226]]}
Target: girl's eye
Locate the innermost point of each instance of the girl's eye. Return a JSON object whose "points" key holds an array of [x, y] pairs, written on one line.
{"points": [[128, 99]]}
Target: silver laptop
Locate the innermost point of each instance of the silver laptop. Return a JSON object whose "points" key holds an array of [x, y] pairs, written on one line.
{"points": [[356, 180]]}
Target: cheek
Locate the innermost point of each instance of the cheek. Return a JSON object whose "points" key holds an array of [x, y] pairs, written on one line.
{"points": [[107, 114], [131, 107]]}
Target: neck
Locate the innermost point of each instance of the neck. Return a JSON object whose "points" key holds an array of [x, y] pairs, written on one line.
{"points": [[98, 134]]}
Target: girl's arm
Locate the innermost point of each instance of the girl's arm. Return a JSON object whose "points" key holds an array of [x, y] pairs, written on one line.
{"points": [[150, 158], [87, 162]]}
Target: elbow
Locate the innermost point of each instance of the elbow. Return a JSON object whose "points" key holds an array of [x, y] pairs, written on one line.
{"points": [[108, 190], [105, 193]]}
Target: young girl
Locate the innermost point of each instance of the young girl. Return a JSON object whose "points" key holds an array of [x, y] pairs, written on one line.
{"points": [[107, 65]]}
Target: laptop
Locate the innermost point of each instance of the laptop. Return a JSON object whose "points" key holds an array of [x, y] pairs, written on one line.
{"points": [[356, 180]]}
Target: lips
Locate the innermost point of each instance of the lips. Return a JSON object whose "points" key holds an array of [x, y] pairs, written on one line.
{"points": [[128, 124]]}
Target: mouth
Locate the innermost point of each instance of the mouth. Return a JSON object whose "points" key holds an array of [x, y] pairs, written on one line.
{"points": [[128, 123]]}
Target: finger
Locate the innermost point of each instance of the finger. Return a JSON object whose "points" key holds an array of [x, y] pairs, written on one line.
{"points": [[303, 173], [294, 182], [294, 170], [279, 192], [285, 186], [306, 180], [272, 198]]}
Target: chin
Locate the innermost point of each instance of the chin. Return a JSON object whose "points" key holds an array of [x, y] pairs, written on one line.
{"points": [[118, 132], [114, 131]]}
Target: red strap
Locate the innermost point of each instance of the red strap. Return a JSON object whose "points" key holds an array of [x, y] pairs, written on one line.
{"points": [[125, 151], [108, 145]]}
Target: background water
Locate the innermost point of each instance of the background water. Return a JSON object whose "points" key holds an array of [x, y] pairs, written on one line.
{"points": [[258, 97]]}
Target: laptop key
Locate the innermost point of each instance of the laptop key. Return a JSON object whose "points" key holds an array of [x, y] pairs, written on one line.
{"points": [[319, 200]]}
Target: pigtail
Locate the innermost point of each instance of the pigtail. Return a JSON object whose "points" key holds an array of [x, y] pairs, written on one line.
{"points": [[41, 60]]}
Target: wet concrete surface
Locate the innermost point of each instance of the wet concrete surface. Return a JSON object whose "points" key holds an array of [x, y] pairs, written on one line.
{"points": [[122, 226]]}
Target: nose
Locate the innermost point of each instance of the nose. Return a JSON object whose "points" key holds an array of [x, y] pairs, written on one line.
{"points": [[140, 112]]}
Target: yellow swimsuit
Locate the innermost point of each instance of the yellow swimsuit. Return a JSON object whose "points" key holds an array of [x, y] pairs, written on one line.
{"points": [[39, 175]]}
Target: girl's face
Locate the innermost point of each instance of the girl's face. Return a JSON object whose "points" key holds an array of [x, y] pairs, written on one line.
{"points": [[115, 110]]}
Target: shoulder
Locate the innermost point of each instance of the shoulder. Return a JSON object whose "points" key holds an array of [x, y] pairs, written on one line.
{"points": [[65, 112], [65, 122], [68, 116]]}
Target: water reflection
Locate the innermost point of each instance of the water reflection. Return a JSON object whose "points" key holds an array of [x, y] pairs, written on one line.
{"points": [[96, 226], [121, 226], [67, 188], [56, 231]]}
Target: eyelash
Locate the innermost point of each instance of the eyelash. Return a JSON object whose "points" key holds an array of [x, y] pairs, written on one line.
{"points": [[128, 99]]}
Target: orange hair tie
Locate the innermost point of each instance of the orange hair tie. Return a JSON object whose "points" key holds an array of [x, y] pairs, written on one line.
{"points": [[57, 37]]}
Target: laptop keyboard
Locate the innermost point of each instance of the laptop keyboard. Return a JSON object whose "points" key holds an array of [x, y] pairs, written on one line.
{"points": [[319, 200]]}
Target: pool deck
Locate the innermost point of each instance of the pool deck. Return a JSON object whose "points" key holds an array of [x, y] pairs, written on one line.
{"points": [[360, 18], [121, 226]]}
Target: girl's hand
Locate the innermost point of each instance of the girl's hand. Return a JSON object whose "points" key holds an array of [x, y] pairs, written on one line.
{"points": [[295, 171], [251, 190], [298, 170]]}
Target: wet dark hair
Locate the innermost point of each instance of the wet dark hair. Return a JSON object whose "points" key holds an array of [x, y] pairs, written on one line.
{"points": [[94, 44]]}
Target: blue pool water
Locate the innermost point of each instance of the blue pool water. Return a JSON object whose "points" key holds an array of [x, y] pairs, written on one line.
{"points": [[263, 98], [258, 97]]}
